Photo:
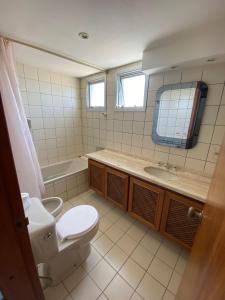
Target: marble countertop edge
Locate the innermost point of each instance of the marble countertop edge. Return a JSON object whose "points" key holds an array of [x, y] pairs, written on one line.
{"points": [[186, 185]]}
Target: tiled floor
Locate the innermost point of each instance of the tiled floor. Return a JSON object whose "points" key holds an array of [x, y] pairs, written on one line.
{"points": [[127, 260]]}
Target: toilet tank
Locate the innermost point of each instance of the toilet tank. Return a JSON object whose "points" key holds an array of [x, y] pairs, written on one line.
{"points": [[42, 231]]}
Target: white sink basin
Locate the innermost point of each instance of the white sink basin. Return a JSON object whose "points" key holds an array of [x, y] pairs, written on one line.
{"points": [[160, 173]]}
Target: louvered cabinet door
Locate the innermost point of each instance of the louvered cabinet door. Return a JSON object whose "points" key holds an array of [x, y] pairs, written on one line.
{"points": [[96, 173], [117, 187], [145, 202], [175, 223]]}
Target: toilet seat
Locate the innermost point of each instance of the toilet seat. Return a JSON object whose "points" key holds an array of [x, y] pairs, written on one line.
{"points": [[76, 222]]}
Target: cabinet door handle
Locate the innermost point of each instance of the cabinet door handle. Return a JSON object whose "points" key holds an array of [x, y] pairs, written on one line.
{"points": [[193, 213]]}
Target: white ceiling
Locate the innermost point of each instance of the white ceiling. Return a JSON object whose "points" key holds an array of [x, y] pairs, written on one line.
{"points": [[33, 57], [119, 29]]}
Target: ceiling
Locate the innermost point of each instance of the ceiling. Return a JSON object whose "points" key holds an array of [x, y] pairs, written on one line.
{"points": [[33, 57], [119, 30]]}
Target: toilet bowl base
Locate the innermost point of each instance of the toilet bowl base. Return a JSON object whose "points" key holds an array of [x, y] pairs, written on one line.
{"points": [[65, 262]]}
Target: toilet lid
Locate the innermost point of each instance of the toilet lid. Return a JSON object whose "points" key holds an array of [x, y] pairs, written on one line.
{"points": [[76, 222]]}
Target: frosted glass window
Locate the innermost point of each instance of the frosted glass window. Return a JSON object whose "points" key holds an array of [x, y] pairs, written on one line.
{"points": [[96, 94], [131, 93]]}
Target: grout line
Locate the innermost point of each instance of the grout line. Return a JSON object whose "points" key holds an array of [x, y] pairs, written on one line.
{"points": [[83, 196]]}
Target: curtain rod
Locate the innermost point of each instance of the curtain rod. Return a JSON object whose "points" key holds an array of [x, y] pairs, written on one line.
{"points": [[75, 60]]}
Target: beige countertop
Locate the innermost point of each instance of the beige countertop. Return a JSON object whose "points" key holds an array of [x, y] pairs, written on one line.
{"points": [[188, 184]]}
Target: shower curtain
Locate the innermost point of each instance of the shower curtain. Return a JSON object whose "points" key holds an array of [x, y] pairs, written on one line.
{"points": [[24, 153]]}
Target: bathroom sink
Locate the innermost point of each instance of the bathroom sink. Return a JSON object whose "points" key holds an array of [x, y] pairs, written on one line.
{"points": [[160, 173]]}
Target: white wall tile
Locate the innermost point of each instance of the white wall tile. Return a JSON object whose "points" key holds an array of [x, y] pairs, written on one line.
{"points": [[51, 114], [59, 107], [214, 94], [137, 126], [221, 116], [214, 73]]}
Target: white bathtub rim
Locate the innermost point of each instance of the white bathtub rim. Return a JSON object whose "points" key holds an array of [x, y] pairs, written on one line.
{"points": [[64, 161], [63, 176], [67, 174]]}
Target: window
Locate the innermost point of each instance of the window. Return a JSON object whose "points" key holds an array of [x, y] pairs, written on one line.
{"points": [[96, 95], [132, 91]]}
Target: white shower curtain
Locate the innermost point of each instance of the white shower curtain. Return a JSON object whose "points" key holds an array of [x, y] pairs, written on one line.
{"points": [[24, 153]]}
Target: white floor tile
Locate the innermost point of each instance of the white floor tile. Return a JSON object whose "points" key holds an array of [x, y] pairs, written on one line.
{"points": [[182, 262], [118, 289], [103, 244], [102, 274], [137, 231], [160, 271], [132, 273], [150, 289], [92, 260], [135, 296], [74, 278], [116, 257], [115, 214], [98, 234], [86, 289], [142, 256], [123, 237], [169, 253], [151, 241], [114, 233], [104, 224], [55, 292], [174, 282], [168, 296], [125, 223], [76, 201], [127, 244], [102, 297]]}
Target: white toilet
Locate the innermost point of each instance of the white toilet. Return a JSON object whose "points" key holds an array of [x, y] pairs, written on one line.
{"points": [[54, 205], [62, 244]]}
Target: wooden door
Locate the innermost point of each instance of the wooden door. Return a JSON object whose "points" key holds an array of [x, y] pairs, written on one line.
{"points": [[116, 188], [176, 224], [96, 173], [145, 202], [204, 277], [18, 275]]}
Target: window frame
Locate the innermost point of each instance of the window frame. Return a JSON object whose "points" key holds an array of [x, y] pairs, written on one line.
{"points": [[129, 74], [95, 108]]}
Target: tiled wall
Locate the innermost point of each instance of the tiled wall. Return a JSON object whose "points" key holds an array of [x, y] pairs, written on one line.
{"points": [[52, 102], [130, 132], [68, 187]]}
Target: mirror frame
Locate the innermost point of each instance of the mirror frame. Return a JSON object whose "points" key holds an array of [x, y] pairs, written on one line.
{"points": [[196, 115]]}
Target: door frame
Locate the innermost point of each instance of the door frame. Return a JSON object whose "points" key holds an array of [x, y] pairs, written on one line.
{"points": [[21, 279]]}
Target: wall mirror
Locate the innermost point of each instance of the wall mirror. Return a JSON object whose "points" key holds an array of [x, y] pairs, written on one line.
{"points": [[178, 113]]}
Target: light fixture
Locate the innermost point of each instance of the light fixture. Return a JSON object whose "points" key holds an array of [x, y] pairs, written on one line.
{"points": [[211, 59], [83, 35]]}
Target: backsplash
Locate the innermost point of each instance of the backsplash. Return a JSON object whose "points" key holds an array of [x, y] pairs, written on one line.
{"points": [[52, 102], [130, 132]]}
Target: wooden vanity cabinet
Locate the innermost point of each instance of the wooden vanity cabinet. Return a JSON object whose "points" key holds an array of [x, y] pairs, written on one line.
{"points": [[96, 172], [116, 187], [175, 223], [145, 202], [157, 207]]}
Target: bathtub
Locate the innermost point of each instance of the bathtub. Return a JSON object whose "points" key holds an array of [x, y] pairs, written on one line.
{"points": [[66, 179]]}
